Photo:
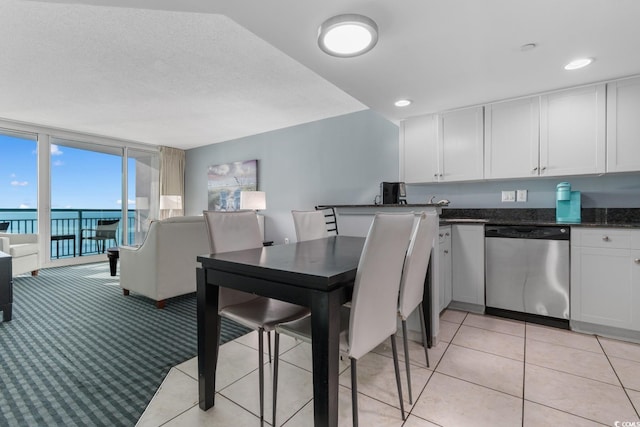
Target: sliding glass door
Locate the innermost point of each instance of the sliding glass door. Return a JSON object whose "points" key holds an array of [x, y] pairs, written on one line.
{"points": [[86, 198], [143, 189], [80, 194], [18, 182]]}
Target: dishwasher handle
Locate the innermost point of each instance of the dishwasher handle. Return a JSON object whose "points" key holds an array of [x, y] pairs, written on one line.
{"points": [[528, 232]]}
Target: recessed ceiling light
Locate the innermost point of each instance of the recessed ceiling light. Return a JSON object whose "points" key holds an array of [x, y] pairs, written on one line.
{"points": [[403, 102], [578, 63], [347, 35]]}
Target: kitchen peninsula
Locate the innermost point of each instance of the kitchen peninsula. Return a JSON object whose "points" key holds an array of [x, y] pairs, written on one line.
{"points": [[604, 261], [355, 220]]}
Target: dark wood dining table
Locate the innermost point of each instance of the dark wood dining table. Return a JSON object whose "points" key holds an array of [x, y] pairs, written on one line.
{"points": [[318, 274]]}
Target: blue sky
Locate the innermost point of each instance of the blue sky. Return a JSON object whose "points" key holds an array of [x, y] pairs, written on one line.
{"points": [[80, 179]]}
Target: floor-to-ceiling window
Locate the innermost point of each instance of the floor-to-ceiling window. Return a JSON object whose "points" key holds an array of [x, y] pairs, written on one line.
{"points": [[143, 189], [18, 181], [79, 193], [87, 207]]}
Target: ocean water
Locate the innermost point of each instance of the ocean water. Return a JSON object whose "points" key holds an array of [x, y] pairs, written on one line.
{"points": [[63, 221]]}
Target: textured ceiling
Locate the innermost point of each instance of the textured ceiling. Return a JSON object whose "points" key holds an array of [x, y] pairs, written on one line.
{"points": [[168, 78], [193, 72]]}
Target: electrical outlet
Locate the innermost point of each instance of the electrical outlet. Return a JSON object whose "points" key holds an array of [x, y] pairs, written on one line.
{"points": [[521, 195], [509, 196]]}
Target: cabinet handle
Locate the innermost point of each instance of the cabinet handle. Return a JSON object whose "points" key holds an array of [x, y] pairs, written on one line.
{"points": [[441, 234], [606, 239], [446, 252], [446, 234], [544, 168], [637, 260], [534, 169]]}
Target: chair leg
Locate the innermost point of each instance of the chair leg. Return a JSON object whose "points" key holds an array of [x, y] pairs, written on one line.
{"points": [[261, 372], [354, 392], [423, 326], [407, 365], [397, 369], [276, 350]]}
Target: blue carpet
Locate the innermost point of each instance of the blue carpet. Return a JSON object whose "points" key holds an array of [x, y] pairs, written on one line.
{"points": [[79, 353]]}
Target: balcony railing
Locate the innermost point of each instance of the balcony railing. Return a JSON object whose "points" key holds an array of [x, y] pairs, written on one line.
{"points": [[66, 226]]}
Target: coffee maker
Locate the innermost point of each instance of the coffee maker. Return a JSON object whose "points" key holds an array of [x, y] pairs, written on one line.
{"points": [[568, 204], [391, 193]]}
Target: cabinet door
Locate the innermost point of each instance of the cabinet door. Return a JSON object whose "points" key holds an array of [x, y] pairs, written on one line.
{"points": [[635, 288], [420, 152], [445, 266], [461, 145], [623, 126], [512, 138], [602, 286], [572, 132], [467, 246]]}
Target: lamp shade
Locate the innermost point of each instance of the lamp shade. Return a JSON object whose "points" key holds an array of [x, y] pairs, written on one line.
{"points": [[142, 203], [170, 202], [254, 200]]}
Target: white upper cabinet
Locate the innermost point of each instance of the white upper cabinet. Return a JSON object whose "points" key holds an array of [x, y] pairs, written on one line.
{"points": [[572, 131], [512, 138], [461, 145], [420, 154], [623, 125]]}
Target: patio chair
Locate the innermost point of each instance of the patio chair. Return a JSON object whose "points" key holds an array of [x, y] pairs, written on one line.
{"points": [[104, 231]]}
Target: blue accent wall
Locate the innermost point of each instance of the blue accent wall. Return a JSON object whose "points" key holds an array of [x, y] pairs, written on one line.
{"points": [[340, 160]]}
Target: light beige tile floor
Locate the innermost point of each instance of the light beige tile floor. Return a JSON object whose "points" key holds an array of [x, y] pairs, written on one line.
{"points": [[485, 371]]}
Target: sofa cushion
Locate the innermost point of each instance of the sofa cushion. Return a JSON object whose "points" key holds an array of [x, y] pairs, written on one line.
{"points": [[24, 249]]}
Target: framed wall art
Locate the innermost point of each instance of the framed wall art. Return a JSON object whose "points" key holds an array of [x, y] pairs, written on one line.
{"points": [[226, 181]]}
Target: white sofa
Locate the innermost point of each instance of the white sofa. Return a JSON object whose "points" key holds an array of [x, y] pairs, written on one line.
{"points": [[164, 266], [24, 251]]}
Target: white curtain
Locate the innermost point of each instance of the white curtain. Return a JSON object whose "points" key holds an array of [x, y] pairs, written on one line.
{"points": [[171, 182]]}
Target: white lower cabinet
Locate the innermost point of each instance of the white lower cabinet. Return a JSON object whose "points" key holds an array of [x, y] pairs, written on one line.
{"points": [[444, 263], [605, 277], [467, 247]]}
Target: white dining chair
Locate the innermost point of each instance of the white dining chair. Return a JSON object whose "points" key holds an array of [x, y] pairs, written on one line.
{"points": [[412, 283], [372, 317], [234, 231], [309, 225]]}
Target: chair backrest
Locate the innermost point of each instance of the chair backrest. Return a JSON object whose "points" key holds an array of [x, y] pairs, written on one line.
{"points": [[4, 226], [416, 263], [232, 231], [330, 219], [309, 225], [106, 228], [374, 303]]}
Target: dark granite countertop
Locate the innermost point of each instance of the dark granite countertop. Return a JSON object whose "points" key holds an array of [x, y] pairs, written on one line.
{"points": [[591, 217], [399, 205], [594, 217]]}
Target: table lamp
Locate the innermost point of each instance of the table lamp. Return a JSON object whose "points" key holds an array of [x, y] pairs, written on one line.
{"points": [[254, 200], [170, 202]]}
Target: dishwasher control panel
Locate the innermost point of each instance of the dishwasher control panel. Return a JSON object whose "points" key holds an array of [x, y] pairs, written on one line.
{"points": [[528, 232]]}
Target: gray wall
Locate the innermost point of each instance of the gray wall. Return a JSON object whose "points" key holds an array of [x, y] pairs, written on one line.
{"points": [[340, 160], [609, 191]]}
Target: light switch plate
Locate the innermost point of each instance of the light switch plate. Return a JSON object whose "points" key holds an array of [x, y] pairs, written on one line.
{"points": [[509, 196], [521, 195]]}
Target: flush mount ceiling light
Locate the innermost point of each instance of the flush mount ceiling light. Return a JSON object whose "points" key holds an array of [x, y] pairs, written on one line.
{"points": [[578, 63], [347, 35], [403, 102]]}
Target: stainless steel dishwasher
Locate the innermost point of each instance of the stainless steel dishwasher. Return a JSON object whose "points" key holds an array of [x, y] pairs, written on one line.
{"points": [[527, 273]]}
